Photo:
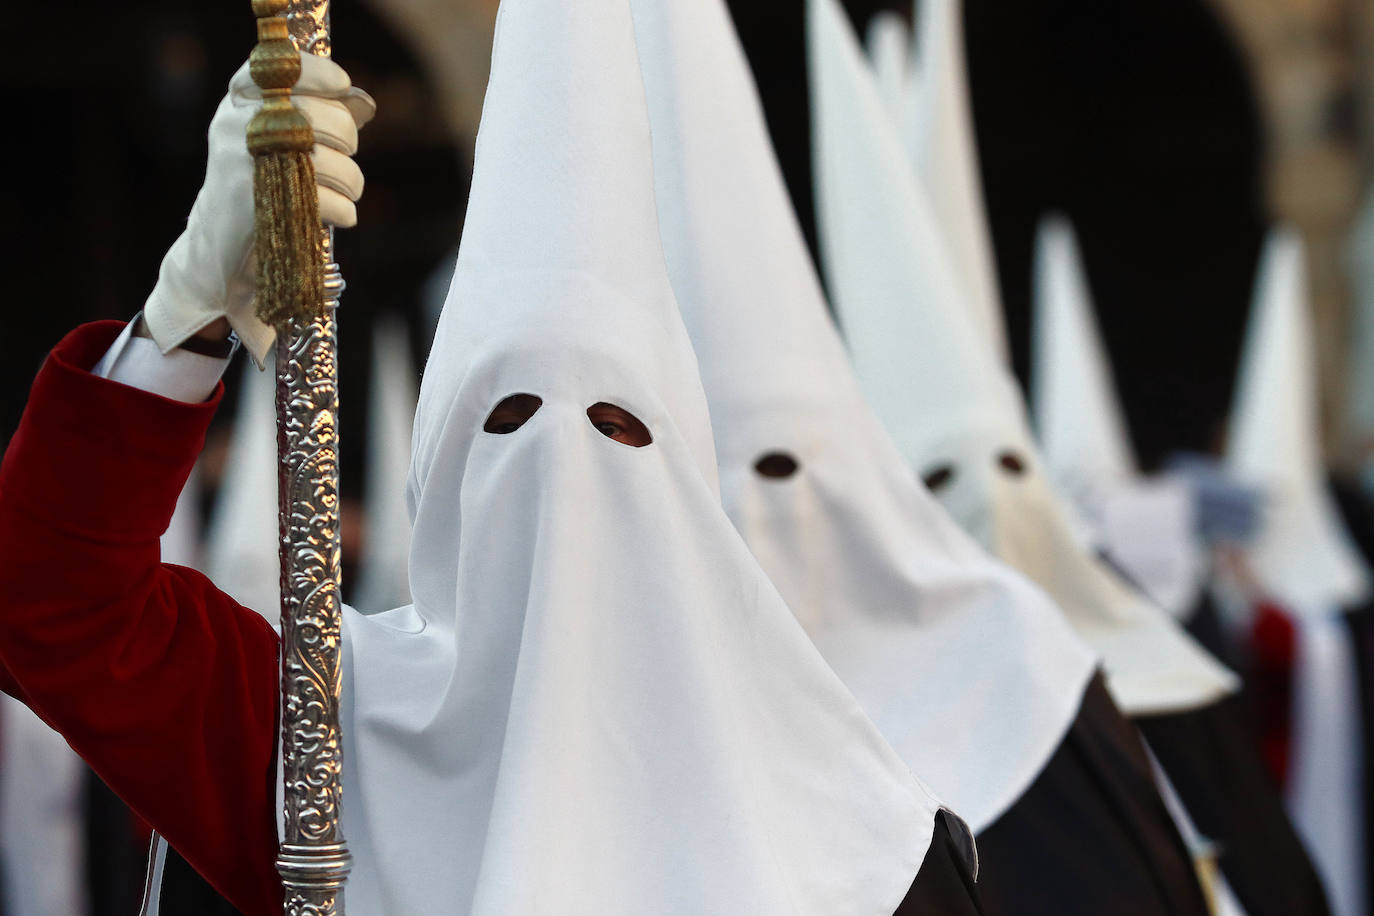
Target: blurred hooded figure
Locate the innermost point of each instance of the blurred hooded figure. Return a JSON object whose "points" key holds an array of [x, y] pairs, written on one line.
{"points": [[1302, 558], [927, 366], [937, 129], [901, 613], [1145, 526], [952, 408], [967, 669], [1147, 529]]}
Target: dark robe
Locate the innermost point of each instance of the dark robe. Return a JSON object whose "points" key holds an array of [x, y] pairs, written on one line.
{"points": [[1210, 758], [1227, 775], [184, 891], [945, 885], [114, 862], [1091, 835]]}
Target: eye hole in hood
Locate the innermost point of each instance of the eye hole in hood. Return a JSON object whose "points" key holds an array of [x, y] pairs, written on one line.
{"points": [[619, 424], [938, 477], [511, 414], [778, 465], [1011, 462]]}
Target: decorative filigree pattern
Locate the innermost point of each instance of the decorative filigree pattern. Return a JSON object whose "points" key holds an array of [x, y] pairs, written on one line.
{"points": [[308, 21], [313, 860]]}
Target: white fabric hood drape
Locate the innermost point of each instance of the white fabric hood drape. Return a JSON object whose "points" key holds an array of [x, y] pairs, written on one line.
{"points": [[968, 671], [938, 131], [1302, 554], [383, 580], [597, 704], [1147, 526], [934, 380], [890, 47]]}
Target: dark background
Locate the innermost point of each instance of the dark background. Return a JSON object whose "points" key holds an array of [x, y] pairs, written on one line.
{"points": [[1134, 116], [1137, 119], [118, 149]]}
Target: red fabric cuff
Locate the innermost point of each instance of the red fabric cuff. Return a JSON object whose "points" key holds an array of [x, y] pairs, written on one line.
{"points": [[147, 445]]}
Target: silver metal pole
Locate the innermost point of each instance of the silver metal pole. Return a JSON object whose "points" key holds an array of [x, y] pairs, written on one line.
{"points": [[313, 860]]}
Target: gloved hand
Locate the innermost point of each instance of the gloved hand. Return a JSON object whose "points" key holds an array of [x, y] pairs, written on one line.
{"points": [[209, 271]]}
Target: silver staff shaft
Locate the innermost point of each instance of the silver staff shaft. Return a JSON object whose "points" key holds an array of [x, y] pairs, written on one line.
{"points": [[313, 861]]}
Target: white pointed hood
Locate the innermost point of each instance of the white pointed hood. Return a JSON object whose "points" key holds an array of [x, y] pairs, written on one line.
{"points": [[1079, 421], [966, 669], [598, 704], [241, 542], [939, 135], [952, 408], [889, 43], [1146, 525], [1302, 554], [382, 578]]}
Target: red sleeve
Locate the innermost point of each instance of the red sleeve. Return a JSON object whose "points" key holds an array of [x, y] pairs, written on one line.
{"points": [[165, 685]]}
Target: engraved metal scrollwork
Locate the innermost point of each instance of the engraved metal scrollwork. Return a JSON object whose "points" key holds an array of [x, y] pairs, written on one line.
{"points": [[313, 860], [308, 22]]}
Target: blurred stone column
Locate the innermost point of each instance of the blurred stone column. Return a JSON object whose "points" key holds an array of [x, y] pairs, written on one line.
{"points": [[1310, 63], [452, 41]]}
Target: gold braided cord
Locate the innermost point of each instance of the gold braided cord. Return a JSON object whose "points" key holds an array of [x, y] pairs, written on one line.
{"points": [[285, 200]]}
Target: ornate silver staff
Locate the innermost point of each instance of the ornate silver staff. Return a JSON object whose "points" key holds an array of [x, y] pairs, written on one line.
{"points": [[298, 291]]}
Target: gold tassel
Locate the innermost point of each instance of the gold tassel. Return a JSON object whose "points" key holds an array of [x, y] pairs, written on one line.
{"points": [[285, 199]]}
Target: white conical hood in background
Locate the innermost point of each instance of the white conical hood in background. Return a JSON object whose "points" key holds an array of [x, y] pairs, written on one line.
{"points": [[1303, 557], [1147, 526], [939, 134], [382, 575], [889, 43], [952, 407], [1078, 420], [597, 704], [968, 670], [1302, 554], [883, 252], [241, 555]]}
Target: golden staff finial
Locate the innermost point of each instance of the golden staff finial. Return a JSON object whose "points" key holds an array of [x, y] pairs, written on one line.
{"points": [[290, 268]]}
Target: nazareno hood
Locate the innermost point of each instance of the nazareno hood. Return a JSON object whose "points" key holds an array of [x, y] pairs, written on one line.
{"points": [[1302, 554], [968, 670], [945, 396]]}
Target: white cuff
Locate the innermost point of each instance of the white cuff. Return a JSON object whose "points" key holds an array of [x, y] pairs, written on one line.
{"points": [[179, 374]]}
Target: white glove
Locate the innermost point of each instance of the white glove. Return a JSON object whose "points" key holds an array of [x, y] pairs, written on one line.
{"points": [[209, 272]]}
